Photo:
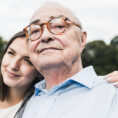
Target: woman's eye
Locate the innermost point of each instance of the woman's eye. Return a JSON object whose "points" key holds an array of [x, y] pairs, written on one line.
{"points": [[28, 61], [10, 53]]}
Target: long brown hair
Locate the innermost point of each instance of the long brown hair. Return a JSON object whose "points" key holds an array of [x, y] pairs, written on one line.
{"points": [[3, 87]]}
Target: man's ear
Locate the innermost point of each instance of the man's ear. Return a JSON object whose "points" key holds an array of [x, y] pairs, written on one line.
{"points": [[83, 39]]}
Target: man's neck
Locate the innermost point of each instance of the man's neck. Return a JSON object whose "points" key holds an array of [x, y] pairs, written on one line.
{"points": [[56, 76]]}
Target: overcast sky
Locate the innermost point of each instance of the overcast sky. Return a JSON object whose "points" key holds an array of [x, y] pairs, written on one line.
{"points": [[99, 17]]}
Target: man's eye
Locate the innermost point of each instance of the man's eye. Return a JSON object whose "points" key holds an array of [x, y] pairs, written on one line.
{"points": [[58, 26], [35, 31]]}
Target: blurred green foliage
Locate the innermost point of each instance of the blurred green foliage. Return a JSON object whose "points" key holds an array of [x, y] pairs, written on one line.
{"points": [[103, 57]]}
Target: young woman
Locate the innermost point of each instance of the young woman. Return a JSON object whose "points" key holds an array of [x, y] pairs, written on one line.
{"points": [[17, 78]]}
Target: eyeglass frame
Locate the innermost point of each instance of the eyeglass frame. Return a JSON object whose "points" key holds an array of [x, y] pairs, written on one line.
{"points": [[47, 24]]}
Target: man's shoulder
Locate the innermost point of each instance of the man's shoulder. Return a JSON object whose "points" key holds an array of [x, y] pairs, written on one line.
{"points": [[102, 84]]}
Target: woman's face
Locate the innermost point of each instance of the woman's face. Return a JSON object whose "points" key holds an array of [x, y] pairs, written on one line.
{"points": [[16, 68]]}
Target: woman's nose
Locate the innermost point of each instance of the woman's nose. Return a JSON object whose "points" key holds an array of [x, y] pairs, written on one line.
{"points": [[15, 65]]}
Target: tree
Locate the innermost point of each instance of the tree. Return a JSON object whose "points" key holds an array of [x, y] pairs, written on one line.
{"points": [[101, 56], [114, 41]]}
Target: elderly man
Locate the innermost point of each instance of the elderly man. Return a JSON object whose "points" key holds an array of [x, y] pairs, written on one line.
{"points": [[68, 91]]}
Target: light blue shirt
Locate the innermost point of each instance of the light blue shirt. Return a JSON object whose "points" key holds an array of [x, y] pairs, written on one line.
{"points": [[85, 95]]}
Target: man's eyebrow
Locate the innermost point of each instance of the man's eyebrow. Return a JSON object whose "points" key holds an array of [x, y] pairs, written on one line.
{"points": [[57, 16], [35, 21]]}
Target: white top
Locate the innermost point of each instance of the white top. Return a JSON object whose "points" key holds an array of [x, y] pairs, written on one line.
{"points": [[10, 112]]}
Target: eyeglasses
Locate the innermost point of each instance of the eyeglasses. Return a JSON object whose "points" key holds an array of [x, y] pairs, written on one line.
{"points": [[56, 25]]}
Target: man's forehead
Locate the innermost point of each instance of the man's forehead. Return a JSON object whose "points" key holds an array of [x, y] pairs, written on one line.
{"points": [[46, 16], [46, 12]]}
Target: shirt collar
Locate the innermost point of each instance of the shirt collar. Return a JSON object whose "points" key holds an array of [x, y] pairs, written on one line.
{"points": [[85, 77], [39, 87]]}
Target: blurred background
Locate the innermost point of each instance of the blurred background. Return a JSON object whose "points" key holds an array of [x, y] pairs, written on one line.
{"points": [[99, 19]]}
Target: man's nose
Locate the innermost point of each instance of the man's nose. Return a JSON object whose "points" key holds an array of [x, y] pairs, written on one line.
{"points": [[47, 36]]}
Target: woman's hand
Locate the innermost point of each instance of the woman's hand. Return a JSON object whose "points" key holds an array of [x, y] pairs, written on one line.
{"points": [[112, 78]]}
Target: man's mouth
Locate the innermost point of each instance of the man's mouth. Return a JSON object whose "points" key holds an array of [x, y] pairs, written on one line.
{"points": [[45, 49]]}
